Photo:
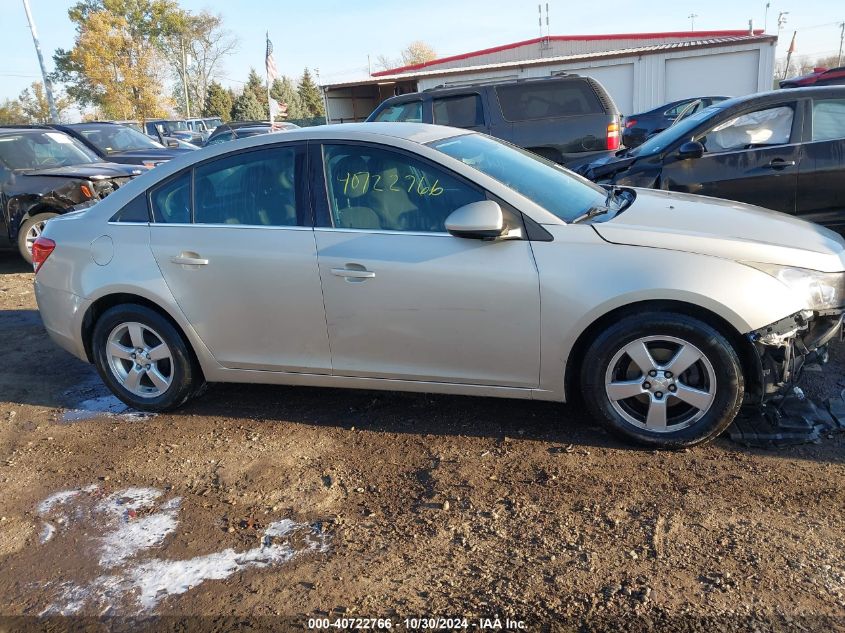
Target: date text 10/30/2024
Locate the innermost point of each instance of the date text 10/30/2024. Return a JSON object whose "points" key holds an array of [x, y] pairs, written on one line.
{"points": [[422, 623]]}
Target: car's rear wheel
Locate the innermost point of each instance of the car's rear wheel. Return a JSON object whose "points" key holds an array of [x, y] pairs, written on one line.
{"points": [[663, 379], [30, 231], [144, 359]]}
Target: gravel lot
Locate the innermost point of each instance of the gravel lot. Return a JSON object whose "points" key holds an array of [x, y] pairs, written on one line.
{"points": [[283, 504]]}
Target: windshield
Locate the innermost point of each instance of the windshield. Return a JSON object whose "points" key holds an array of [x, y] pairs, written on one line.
{"points": [[558, 190], [40, 150], [116, 138], [661, 141], [176, 125]]}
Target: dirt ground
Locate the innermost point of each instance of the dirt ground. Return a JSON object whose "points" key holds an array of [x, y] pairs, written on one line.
{"points": [[259, 508]]}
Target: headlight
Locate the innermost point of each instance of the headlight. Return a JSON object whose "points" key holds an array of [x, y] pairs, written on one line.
{"points": [[822, 291]]}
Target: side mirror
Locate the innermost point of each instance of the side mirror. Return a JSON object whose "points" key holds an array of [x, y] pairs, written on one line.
{"points": [[691, 149], [477, 220]]}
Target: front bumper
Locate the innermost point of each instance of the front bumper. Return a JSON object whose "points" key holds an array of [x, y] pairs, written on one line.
{"points": [[786, 347]]}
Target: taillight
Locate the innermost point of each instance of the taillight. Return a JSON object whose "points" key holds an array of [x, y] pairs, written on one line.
{"points": [[41, 249], [613, 136], [629, 123]]}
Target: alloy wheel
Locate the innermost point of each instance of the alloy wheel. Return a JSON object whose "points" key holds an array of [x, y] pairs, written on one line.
{"points": [[140, 359], [34, 233], [660, 384]]}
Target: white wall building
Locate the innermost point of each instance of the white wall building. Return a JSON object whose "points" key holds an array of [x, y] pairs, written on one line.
{"points": [[640, 70]]}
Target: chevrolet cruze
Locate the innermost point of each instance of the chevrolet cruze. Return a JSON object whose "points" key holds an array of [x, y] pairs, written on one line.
{"points": [[413, 257]]}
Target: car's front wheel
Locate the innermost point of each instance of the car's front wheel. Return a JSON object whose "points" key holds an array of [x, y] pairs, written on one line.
{"points": [[663, 379], [143, 359], [30, 231]]}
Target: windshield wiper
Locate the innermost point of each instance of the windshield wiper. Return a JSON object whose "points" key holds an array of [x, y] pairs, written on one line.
{"points": [[593, 212]]}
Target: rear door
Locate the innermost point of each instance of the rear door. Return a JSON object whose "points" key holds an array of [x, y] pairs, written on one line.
{"points": [[821, 177], [234, 241], [749, 157]]}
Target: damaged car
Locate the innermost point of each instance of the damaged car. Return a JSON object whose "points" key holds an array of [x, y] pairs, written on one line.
{"points": [[782, 150], [414, 257], [45, 173]]}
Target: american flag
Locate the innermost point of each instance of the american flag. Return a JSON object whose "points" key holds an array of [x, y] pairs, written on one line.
{"points": [[269, 62]]}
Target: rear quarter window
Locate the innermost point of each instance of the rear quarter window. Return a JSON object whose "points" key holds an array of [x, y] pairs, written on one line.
{"points": [[529, 102], [136, 211]]}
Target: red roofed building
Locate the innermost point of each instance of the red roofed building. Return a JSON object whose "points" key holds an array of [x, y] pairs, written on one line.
{"points": [[640, 70]]}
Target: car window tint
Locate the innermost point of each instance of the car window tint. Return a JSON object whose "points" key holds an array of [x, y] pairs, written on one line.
{"points": [[171, 202], [676, 110], [461, 111], [136, 211], [772, 126], [409, 111], [543, 100], [828, 119], [372, 188], [255, 188], [220, 138]]}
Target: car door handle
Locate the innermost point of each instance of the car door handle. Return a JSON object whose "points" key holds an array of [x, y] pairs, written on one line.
{"points": [[779, 163], [352, 273], [189, 261]]}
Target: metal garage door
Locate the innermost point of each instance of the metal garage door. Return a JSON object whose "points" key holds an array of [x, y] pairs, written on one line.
{"points": [[728, 74], [618, 80]]}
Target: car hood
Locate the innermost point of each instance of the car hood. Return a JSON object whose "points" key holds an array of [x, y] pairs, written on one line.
{"points": [[722, 228], [89, 171]]}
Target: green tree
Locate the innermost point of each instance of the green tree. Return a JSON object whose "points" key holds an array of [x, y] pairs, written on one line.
{"points": [[284, 91], [247, 108], [11, 112], [258, 87], [116, 63], [218, 101], [310, 96]]}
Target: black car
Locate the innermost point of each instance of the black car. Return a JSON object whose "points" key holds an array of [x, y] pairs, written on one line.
{"points": [[120, 144], [244, 129], [561, 118], [783, 150], [639, 127], [44, 173]]}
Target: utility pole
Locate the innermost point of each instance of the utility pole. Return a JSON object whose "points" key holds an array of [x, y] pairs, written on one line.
{"points": [[185, 76], [841, 41], [766, 18], [692, 17], [48, 86]]}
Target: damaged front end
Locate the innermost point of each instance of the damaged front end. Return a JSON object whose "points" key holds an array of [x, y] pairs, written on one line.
{"points": [[789, 346]]}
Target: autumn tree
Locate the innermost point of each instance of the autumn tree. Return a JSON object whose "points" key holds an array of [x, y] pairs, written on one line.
{"points": [[310, 96], [11, 112], [247, 108], [218, 102], [35, 107], [195, 45], [418, 52], [115, 63], [284, 91]]}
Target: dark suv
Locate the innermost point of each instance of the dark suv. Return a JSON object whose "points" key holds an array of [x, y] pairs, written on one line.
{"points": [[562, 118]]}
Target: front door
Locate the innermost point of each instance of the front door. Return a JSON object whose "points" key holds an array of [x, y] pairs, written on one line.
{"points": [[406, 300], [749, 158], [233, 243]]}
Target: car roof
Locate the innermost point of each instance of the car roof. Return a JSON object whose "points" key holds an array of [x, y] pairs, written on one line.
{"points": [[784, 93]]}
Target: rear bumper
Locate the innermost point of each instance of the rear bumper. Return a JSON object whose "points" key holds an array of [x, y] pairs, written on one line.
{"points": [[62, 313], [785, 347]]}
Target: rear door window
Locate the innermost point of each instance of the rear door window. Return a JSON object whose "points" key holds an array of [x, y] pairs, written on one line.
{"points": [[253, 188], [463, 111], [171, 202], [410, 111], [829, 119], [545, 100]]}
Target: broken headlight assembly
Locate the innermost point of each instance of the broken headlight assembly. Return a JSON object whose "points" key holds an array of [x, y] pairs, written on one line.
{"points": [[821, 291]]}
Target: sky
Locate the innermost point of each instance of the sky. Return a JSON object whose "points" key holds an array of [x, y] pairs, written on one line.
{"points": [[336, 36]]}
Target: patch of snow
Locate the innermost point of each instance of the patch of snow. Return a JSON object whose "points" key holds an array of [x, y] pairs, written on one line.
{"points": [[92, 399], [142, 583], [55, 499], [47, 532]]}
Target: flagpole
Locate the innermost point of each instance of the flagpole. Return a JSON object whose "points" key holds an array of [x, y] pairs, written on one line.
{"points": [[267, 75]]}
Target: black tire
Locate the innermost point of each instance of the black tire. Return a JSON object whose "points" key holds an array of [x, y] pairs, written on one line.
{"points": [[186, 379], [24, 230], [722, 365]]}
